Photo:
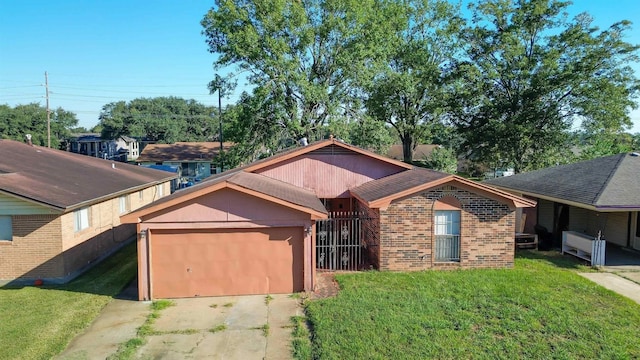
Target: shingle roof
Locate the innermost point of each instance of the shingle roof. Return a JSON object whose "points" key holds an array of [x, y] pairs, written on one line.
{"points": [[182, 151], [66, 180], [393, 184], [606, 182], [255, 182]]}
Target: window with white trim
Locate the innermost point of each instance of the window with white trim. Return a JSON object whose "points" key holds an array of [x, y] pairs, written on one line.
{"points": [[81, 219], [6, 228], [160, 190], [447, 234], [124, 204]]}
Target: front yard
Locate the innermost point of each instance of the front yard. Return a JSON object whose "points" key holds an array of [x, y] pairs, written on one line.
{"points": [[39, 322], [539, 309]]}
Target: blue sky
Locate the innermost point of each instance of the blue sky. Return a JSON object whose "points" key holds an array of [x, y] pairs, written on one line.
{"points": [[97, 52]]}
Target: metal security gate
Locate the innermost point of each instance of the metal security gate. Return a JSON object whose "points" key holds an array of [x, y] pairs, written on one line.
{"points": [[339, 241]]}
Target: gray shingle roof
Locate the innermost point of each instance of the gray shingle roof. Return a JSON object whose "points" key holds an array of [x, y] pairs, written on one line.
{"points": [[66, 180], [607, 182], [392, 184]]}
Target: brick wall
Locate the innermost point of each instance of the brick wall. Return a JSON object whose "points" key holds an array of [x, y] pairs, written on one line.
{"points": [[35, 250], [48, 247], [406, 232]]}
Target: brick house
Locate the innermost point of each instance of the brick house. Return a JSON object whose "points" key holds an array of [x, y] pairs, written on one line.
{"points": [[60, 211], [267, 226]]}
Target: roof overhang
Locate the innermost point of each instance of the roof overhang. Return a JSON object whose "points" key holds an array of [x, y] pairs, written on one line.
{"points": [[599, 208], [33, 201], [138, 216], [502, 196]]}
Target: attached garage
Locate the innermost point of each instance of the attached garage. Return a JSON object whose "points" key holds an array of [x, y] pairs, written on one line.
{"points": [[240, 234], [189, 263]]}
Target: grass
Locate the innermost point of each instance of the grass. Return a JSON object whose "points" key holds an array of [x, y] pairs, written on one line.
{"points": [[265, 329], [268, 299], [539, 309], [221, 327], [301, 342], [39, 322]]}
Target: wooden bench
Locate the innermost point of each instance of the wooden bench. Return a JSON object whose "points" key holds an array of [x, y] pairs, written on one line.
{"points": [[584, 247]]}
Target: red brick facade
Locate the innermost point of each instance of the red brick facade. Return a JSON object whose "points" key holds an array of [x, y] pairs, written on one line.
{"points": [[405, 232]]}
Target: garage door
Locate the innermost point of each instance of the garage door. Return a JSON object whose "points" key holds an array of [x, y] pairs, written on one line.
{"points": [[187, 263]]}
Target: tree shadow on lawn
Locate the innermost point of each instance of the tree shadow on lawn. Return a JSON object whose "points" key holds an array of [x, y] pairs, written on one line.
{"points": [[555, 258], [114, 276]]}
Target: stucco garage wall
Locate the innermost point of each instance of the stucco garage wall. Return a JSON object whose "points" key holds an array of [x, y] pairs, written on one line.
{"points": [[222, 210]]}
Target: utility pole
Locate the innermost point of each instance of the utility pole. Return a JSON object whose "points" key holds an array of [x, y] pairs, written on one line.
{"points": [[220, 134], [46, 87]]}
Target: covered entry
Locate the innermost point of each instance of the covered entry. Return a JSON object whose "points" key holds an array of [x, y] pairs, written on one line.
{"points": [[189, 263]]}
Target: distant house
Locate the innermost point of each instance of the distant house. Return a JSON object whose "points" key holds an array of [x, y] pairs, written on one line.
{"points": [[60, 212], [197, 160], [420, 153], [266, 227], [124, 148], [599, 196]]}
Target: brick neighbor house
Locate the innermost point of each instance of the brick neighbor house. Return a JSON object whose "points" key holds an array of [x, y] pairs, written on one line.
{"points": [[60, 211], [267, 226]]}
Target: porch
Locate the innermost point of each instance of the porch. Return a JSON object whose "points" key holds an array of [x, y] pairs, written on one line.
{"points": [[619, 258]]}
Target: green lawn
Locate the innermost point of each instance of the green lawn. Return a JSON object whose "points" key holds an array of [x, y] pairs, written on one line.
{"points": [[38, 323], [541, 309]]}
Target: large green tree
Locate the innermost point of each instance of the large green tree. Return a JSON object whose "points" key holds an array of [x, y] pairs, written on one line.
{"points": [[410, 92], [17, 121], [161, 119], [532, 73], [306, 59]]}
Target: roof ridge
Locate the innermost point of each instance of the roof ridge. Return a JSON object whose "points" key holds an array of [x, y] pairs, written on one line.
{"points": [[609, 177]]}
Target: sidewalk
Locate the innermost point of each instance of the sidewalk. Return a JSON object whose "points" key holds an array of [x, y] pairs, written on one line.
{"points": [[618, 283]]}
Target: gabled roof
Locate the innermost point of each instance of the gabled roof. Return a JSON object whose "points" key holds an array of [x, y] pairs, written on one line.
{"points": [[330, 145], [253, 184], [182, 152], [64, 180], [606, 183], [380, 193]]}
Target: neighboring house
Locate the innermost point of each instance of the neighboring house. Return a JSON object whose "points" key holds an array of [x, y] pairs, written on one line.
{"points": [[265, 227], [590, 197], [124, 148], [60, 212], [420, 153], [197, 160]]}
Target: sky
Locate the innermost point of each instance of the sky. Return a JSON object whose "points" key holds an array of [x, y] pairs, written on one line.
{"points": [[97, 52]]}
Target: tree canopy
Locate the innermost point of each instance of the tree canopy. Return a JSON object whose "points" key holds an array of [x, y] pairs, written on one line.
{"points": [[304, 58], [530, 74], [161, 119], [16, 122], [409, 93]]}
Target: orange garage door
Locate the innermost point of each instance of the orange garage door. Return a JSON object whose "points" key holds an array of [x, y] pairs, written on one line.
{"points": [[188, 263]]}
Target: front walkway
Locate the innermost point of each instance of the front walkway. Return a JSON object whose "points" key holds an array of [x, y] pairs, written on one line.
{"points": [[618, 283]]}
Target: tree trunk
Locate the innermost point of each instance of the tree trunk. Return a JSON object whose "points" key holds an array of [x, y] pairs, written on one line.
{"points": [[407, 148]]}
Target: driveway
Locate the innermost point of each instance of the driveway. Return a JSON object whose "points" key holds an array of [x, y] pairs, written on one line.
{"points": [[233, 327]]}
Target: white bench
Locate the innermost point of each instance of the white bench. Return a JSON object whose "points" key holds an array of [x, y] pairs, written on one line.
{"points": [[584, 247]]}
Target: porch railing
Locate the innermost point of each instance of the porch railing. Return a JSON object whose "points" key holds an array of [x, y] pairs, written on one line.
{"points": [[447, 248]]}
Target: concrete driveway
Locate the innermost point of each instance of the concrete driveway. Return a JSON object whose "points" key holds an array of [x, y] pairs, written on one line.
{"points": [[234, 327]]}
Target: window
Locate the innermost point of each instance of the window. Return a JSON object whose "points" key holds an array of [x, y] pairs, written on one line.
{"points": [[638, 224], [141, 195], [159, 190], [447, 233], [81, 219], [124, 204], [6, 228]]}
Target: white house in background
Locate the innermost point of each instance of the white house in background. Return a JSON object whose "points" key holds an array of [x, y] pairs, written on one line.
{"points": [[123, 148]]}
